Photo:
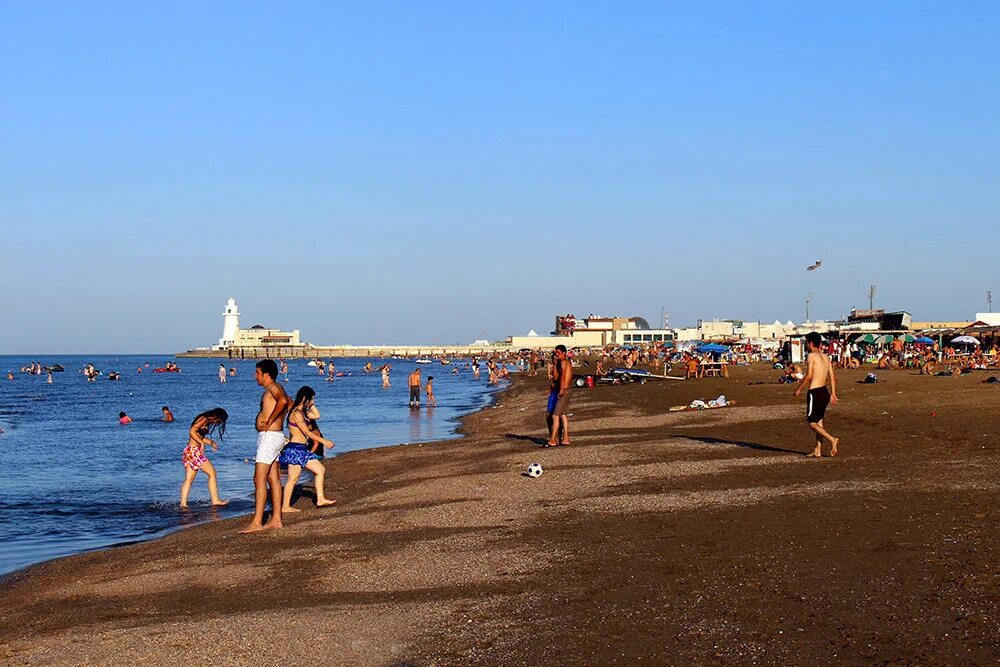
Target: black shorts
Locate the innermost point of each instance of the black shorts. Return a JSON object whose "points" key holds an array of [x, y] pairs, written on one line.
{"points": [[415, 394], [817, 401]]}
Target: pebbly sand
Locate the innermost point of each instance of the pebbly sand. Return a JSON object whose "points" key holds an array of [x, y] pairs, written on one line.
{"points": [[657, 537]]}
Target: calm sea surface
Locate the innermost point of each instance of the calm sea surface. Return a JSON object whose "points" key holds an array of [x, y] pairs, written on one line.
{"points": [[73, 479]]}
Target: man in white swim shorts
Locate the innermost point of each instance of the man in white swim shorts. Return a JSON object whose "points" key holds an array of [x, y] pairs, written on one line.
{"points": [[274, 406]]}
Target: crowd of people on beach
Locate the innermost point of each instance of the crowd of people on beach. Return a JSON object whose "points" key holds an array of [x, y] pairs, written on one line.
{"points": [[289, 434], [301, 447]]}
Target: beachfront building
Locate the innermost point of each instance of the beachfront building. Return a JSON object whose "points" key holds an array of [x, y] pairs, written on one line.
{"points": [[730, 330], [942, 325], [899, 320], [819, 326], [256, 336], [261, 336], [594, 331]]}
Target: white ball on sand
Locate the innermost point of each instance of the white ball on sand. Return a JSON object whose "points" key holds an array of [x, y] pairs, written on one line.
{"points": [[534, 470]]}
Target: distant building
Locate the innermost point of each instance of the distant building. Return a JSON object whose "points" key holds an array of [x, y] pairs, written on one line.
{"points": [[260, 336], [594, 331], [255, 336], [989, 319], [730, 330], [892, 321]]}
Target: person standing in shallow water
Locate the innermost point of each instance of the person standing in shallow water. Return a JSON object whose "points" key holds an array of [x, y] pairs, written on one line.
{"points": [[818, 370], [297, 455], [270, 422], [414, 383], [194, 458], [431, 401], [222, 373]]}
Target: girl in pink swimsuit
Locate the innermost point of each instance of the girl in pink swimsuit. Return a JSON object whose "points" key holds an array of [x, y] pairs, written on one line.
{"points": [[194, 458]]}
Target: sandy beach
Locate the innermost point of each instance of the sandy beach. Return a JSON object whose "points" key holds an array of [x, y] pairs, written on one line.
{"points": [[656, 538]]}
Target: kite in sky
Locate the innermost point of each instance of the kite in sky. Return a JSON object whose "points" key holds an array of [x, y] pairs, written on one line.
{"points": [[815, 266]]}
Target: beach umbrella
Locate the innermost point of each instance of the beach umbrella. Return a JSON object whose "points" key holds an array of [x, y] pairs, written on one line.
{"points": [[712, 348], [924, 340], [888, 338], [867, 338], [964, 340]]}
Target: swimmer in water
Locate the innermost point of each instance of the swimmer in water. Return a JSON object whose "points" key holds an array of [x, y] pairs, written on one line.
{"points": [[124, 418], [168, 416]]}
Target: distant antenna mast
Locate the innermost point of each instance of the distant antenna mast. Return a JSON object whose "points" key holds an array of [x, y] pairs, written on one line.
{"points": [[809, 298], [989, 300], [871, 297]]}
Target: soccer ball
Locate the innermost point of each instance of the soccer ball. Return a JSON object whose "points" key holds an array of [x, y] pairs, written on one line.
{"points": [[534, 470]]}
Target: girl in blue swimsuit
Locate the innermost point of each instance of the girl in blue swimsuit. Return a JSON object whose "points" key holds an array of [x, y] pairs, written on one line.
{"points": [[303, 437]]}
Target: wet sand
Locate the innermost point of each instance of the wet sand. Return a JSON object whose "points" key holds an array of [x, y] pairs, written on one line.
{"points": [[657, 537]]}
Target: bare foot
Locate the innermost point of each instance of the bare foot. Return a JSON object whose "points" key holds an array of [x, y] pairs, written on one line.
{"points": [[252, 528], [325, 503], [184, 506], [833, 450], [566, 442], [220, 503], [290, 510], [815, 455], [272, 525]]}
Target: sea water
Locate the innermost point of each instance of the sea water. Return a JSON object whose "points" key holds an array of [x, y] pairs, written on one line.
{"points": [[73, 479]]}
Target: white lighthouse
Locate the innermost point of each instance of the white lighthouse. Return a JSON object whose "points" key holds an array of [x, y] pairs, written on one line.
{"points": [[230, 324]]}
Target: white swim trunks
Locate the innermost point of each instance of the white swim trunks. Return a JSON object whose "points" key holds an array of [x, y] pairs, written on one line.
{"points": [[269, 444]]}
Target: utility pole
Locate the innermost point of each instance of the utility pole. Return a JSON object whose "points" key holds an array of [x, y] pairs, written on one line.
{"points": [[871, 297], [989, 300]]}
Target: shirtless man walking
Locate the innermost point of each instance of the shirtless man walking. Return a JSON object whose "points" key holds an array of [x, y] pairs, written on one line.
{"points": [[274, 405], [562, 378], [819, 397], [414, 381]]}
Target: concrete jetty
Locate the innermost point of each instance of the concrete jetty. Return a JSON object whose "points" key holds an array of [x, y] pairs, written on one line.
{"points": [[337, 351]]}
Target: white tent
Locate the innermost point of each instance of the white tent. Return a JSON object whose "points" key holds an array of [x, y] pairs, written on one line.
{"points": [[533, 334]]}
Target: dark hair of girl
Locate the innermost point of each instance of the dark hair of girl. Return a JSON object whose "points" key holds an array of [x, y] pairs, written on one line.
{"points": [[303, 395], [216, 420]]}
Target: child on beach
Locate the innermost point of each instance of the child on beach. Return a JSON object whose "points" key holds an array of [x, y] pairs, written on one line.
{"points": [[430, 391], [194, 458], [297, 455]]}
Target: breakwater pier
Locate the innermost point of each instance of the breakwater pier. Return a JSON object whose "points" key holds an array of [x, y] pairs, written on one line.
{"points": [[337, 351]]}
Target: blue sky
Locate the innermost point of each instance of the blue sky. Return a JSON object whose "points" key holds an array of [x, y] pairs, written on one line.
{"points": [[420, 172]]}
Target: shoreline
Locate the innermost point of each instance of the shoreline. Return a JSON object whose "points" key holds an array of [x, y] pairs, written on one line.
{"points": [[457, 434], [694, 537]]}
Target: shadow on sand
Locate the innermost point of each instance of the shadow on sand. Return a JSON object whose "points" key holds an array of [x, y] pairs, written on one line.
{"points": [[541, 442], [740, 443]]}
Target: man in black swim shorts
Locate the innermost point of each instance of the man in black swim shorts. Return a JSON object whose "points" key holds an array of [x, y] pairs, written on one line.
{"points": [[819, 369], [414, 381]]}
